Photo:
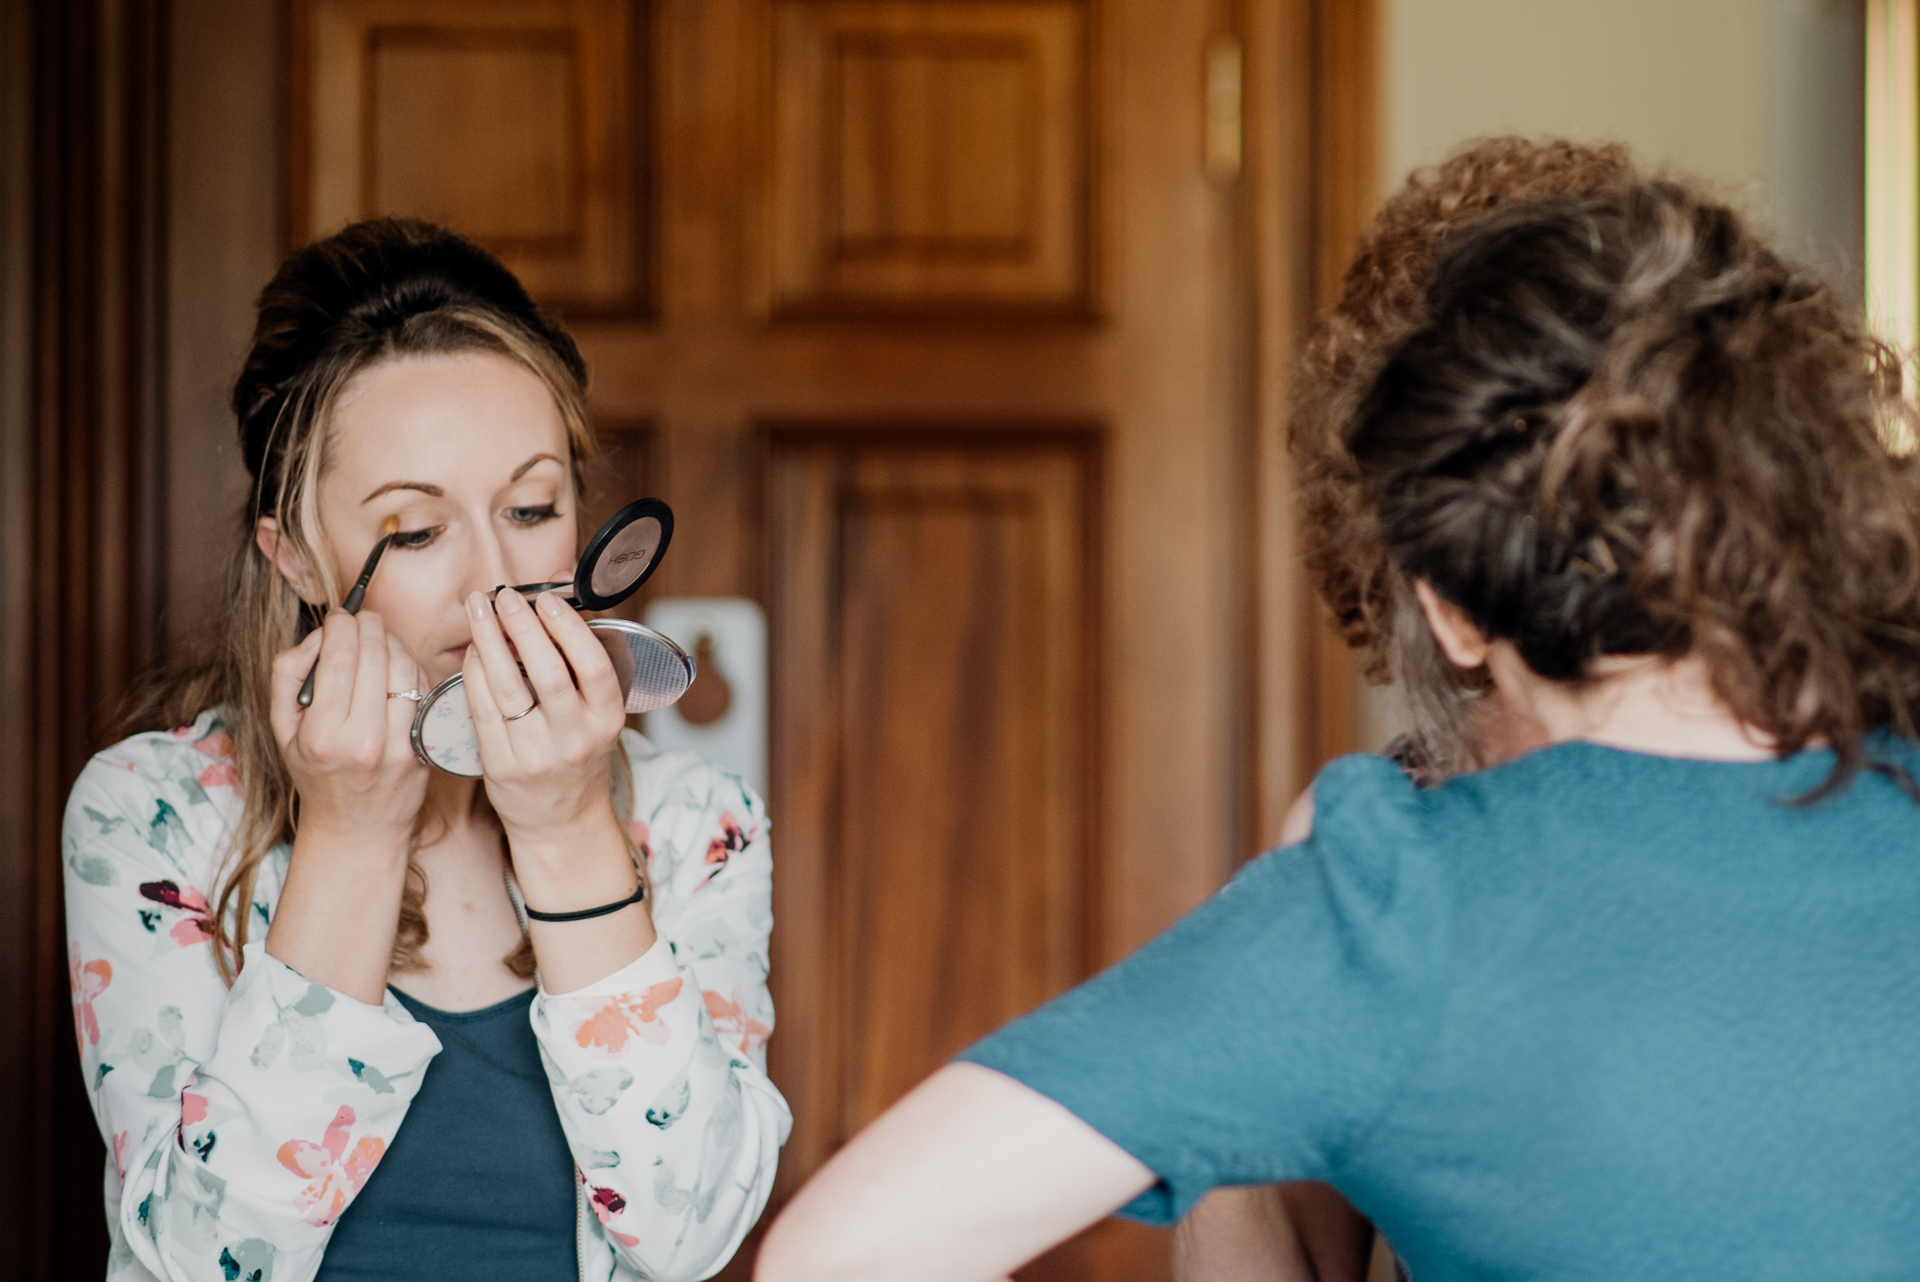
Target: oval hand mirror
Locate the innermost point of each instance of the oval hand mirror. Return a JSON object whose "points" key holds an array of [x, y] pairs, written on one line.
{"points": [[652, 670]]}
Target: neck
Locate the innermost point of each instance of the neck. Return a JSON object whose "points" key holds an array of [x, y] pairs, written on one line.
{"points": [[453, 804], [1643, 703]]}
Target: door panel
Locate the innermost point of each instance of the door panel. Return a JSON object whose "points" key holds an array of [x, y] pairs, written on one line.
{"points": [[936, 683], [928, 156], [524, 123], [936, 677]]}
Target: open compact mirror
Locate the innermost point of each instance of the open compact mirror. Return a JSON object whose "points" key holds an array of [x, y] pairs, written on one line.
{"points": [[620, 556], [652, 670]]}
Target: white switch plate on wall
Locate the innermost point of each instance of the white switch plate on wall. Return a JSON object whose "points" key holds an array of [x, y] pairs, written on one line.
{"points": [[738, 740]]}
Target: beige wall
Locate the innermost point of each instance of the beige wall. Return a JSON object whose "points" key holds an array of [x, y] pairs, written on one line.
{"points": [[1761, 98]]}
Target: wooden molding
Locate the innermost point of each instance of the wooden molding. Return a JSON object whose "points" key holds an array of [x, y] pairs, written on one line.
{"points": [[526, 124], [1308, 189], [926, 158], [1346, 143], [81, 542], [1346, 136], [918, 561]]}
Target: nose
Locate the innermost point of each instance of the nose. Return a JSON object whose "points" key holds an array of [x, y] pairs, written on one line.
{"points": [[487, 568]]}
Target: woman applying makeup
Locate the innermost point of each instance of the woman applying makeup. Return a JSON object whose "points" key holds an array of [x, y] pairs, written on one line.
{"points": [[318, 1038]]}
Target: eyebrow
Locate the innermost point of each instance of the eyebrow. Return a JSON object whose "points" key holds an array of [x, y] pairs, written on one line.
{"points": [[426, 487], [390, 486], [527, 466]]}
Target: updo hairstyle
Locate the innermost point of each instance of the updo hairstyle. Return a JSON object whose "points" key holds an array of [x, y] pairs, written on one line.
{"points": [[1627, 426], [386, 289], [1379, 305]]}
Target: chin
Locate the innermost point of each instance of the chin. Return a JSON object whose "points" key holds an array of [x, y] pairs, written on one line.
{"points": [[432, 674]]}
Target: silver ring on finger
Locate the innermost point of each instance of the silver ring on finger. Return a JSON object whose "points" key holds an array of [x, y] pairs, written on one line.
{"points": [[414, 695], [523, 712]]}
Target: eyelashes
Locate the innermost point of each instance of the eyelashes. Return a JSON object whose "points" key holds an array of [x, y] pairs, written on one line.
{"points": [[524, 517], [407, 540], [533, 515]]}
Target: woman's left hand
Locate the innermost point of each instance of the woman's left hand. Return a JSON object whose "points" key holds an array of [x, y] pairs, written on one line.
{"points": [[547, 770], [548, 778]]}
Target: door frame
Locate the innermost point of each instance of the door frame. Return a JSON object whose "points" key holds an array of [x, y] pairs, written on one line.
{"points": [[83, 180], [1310, 184]]}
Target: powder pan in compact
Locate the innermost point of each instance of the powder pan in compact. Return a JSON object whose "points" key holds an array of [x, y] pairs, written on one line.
{"points": [[653, 671], [621, 555]]}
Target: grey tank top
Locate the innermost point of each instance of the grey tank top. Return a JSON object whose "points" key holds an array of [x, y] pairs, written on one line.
{"points": [[478, 1186]]}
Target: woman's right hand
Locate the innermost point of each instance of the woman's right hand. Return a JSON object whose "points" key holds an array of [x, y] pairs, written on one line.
{"points": [[361, 789], [348, 752]]}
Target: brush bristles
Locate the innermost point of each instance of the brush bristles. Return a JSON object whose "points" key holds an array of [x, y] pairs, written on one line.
{"points": [[390, 526]]}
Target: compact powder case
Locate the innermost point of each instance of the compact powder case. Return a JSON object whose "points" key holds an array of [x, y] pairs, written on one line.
{"points": [[653, 671]]}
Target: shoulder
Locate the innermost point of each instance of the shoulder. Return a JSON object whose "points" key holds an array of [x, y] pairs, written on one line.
{"points": [[1376, 847], [1373, 810], [1362, 777], [183, 767], [170, 794], [1366, 801]]}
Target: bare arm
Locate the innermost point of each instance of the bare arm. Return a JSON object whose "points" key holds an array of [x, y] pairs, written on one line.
{"points": [[967, 1178], [1339, 1240], [1298, 825], [1294, 1232], [1242, 1235], [360, 790]]}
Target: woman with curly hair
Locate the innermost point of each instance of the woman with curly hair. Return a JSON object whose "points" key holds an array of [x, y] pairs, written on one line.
{"points": [[1634, 1004], [1459, 720]]}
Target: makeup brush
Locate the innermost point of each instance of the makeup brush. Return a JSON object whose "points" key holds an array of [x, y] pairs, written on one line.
{"points": [[388, 528]]}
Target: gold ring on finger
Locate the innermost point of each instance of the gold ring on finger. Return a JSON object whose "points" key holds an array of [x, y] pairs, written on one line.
{"points": [[414, 695]]}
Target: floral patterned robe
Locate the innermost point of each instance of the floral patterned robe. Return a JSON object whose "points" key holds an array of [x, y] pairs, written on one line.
{"points": [[240, 1124]]}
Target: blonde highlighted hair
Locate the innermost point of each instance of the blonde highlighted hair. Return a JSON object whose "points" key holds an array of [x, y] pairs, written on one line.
{"points": [[379, 291]]}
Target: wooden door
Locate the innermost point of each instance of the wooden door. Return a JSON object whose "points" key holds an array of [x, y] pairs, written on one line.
{"points": [[954, 332], [938, 666]]}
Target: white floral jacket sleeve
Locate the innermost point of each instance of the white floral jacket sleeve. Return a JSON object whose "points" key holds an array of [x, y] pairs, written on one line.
{"points": [[240, 1124]]}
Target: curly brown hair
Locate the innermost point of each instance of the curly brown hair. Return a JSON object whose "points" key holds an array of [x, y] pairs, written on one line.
{"points": [[1627, 426], [1379, 306]]}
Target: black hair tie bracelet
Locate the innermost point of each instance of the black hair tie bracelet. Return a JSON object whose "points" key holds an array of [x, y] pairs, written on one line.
{"points": [[639, 894]]}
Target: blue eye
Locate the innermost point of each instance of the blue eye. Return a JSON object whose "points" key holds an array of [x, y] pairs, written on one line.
{"points": [[532, 515]]}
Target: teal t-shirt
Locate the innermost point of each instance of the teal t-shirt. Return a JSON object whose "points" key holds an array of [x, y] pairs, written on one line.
{"points": [[1590, 1014]]}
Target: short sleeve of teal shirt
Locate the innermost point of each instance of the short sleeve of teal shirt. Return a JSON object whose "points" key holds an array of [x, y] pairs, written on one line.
{"points": [[1266, 1031]]}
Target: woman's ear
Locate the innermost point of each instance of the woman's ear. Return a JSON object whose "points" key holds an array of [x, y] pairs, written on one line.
{"points": [[1457, 634], [292, 566]]}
